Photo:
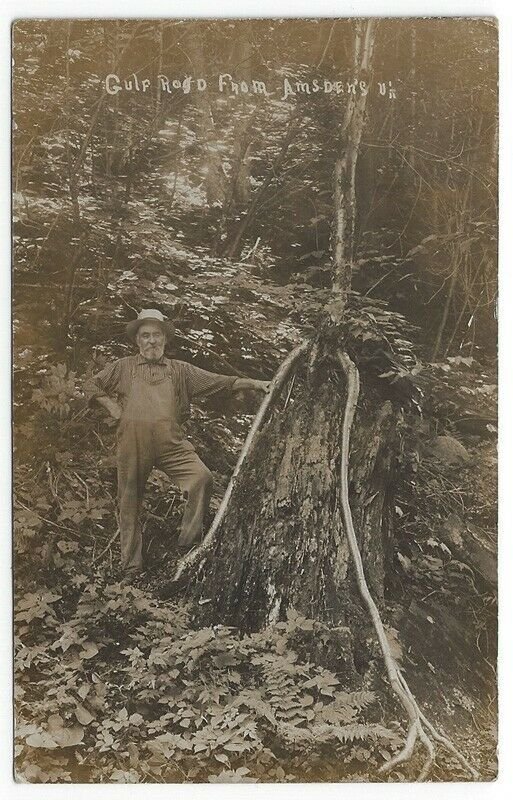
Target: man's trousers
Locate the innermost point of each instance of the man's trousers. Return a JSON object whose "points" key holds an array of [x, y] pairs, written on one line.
{"points": [[142, 446]]}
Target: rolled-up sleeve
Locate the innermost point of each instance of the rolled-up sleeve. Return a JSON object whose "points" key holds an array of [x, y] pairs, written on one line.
{"points": [[201, 383], [104, 383]]}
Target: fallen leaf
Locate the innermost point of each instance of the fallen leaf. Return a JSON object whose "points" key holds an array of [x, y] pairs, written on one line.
{"points": [[41, 739], [89, 650], [83, 715]]}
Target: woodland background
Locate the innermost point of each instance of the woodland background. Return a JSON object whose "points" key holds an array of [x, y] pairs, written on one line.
{"points": [[218, 210]]}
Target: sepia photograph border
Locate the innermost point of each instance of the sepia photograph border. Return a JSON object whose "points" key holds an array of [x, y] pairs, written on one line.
{"points": [[154, 10]]}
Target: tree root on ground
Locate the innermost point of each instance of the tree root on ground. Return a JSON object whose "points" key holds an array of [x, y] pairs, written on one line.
{"points": [[418, 723]]}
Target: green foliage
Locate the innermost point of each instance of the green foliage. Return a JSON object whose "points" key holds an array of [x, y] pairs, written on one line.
{"points": [[384, 336], [105, 186], [445, 542]]}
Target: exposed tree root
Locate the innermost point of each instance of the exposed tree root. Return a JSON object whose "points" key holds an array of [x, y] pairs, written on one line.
{"points": [[418, 724], [193, 557]]}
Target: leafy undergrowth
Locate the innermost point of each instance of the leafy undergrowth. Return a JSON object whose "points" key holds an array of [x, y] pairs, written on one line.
{"points": [[113, 686], [446, 506], [443, 581]]}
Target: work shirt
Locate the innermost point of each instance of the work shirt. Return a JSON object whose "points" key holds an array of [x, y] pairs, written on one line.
{"points": [[188, 382]]}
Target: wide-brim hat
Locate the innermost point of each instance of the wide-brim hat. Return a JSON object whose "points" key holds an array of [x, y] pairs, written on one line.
{"points": [[150, 315]]}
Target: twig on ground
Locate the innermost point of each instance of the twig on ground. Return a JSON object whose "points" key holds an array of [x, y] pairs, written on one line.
{"points": [[292, 382], [55, 524], [107, 546], [99, 439], [84, 484]]}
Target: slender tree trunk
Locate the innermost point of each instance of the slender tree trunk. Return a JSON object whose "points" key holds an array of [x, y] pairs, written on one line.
{"points": [[73, 263], [345, 166], [242, 133], [72, 174], [238, 193], [447, 307], [214, 179], [233, 247], [413, 79]]}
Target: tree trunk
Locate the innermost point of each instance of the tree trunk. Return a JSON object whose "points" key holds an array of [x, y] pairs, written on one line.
{"points": [[345, 166], [282, 542], [243, 127], [233, 247], [214, 178]]}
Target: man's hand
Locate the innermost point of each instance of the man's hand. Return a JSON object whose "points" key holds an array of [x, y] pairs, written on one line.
{"points": [[111, 406], [116, 411], [242, 384]]}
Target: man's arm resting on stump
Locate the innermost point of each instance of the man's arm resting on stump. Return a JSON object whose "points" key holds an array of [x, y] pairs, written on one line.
{"points": [[241, 384]]}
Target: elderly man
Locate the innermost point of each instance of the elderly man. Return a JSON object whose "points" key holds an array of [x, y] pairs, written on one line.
{"points": [[150, 395]]}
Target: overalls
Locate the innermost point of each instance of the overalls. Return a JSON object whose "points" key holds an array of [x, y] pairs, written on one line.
{"points": [[149, 435]]}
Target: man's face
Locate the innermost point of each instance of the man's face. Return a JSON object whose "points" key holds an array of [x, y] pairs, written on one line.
{"points": [[151, 341]]}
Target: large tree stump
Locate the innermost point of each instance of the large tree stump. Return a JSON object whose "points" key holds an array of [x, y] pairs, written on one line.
{"points": [[281, 542]]}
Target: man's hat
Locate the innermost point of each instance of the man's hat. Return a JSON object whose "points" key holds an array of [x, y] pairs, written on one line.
{"points": [[150, 315]]}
